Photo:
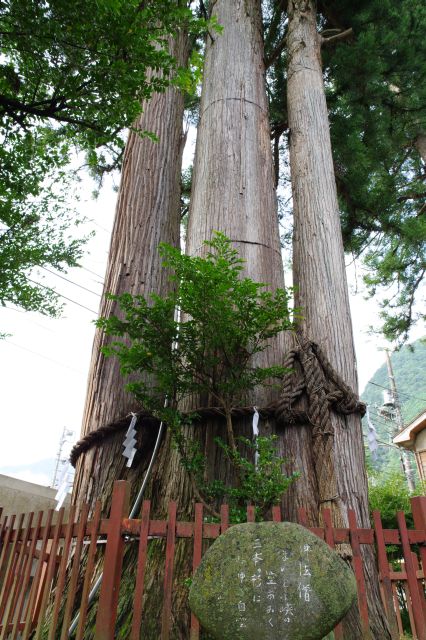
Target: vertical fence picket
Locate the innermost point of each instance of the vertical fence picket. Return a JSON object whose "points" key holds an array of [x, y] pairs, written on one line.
{"points": [[62, 572], [251, 513], [168, 572], [89, 571], [418, 509], [113, 563], [276, 513], [224, 518], [411, 578], [329, 538], [196, 559], [302, 517], [8, 534], [21, 609], [409, 605], [140, 574], [50, 571], [35, 587], [10, 568], [359, 574], [72, 586], [3, 525], [397, 611], [420, 587], [17, 581], [385, 575]]}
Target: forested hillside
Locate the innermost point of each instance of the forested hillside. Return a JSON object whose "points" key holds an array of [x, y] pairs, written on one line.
{"points": [[409, 364]]}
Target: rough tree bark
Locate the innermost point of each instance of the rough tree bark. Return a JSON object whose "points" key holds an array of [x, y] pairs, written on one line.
{"points": [[420, 144], [233, 192], [337, 480], [147, 213]]}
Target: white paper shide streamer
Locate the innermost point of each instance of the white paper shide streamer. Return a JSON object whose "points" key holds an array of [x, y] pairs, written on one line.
{"points": [[130, 441], [64, 485], [255, 434], [372, 437]]}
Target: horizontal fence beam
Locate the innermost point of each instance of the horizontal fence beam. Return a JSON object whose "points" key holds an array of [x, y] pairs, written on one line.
{"points": [[158, 528]]}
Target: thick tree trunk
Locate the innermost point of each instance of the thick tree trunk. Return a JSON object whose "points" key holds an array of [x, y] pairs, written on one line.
{"points": [[233, 180], [233, 192], [338, 478], [148, 212]]}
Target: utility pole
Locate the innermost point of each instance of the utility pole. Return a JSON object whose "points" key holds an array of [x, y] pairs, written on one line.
{"points": [[399, 424]]}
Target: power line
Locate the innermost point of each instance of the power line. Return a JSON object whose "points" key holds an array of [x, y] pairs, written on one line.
{"points": [[80, 266], [101, 227], [40, 355], [37, 324], [62, 296], [58, 275], [400, 392]]}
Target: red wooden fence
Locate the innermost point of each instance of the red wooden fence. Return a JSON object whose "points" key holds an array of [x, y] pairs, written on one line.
{"points": [[37, 556]]}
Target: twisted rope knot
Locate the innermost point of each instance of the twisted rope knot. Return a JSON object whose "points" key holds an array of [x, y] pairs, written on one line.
{"points": [[311, 371], [308, 370]]}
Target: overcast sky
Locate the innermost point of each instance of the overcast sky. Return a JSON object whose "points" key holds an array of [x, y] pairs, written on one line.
{"points": [[44, 364]]}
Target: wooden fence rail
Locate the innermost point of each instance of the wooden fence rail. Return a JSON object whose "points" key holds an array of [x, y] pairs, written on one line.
{"points": [[41, 559]]}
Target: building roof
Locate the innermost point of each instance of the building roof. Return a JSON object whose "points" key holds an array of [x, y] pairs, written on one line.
{"points": [[407, 436]]}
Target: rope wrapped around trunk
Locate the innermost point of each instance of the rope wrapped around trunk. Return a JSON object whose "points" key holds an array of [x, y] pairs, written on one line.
{"points": [[308, 371]]}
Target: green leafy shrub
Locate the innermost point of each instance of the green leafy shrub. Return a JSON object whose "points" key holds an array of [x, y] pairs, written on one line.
{"points": [[224, 320]]}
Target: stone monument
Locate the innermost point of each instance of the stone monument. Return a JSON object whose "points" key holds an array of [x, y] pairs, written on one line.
{"points": [[271, 581]]}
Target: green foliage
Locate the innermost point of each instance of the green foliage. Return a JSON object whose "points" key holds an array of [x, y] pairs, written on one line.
{"points": [[72, 78], [377, 102], [224, 320], [409, 365], [388, 493], [262, 483], [375, 84]]}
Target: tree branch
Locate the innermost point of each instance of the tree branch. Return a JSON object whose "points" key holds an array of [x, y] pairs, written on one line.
{"points": [[269, 61], [54, 110], [343, 35]]}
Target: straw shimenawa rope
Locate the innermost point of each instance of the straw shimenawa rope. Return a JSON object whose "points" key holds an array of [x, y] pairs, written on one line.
{"points": [[308, 372]]}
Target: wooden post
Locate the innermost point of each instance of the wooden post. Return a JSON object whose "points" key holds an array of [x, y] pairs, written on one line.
{"points": [[384, 575], [140, 573], [411, 578], [329, 538], [34, 534], [34, 597], [89, 571], [359, 574], [62, 572], [10, 566], [251, 514], [168, 572], [224, 518], [18, 579], [51, 568], [418, 509], [108, 599], [198, 543], [397, 611], [73, 581]]}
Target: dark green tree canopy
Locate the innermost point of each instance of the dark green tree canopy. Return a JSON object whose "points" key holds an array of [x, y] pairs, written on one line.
{"points": [[374, 58], [72, 79]]}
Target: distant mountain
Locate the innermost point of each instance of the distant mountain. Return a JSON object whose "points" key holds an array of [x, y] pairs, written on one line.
{"points": [[409, 365]]}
